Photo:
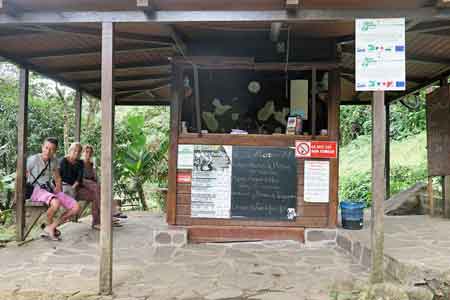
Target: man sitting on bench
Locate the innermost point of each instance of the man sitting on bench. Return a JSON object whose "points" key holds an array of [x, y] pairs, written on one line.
{"points": [[44, 167]]}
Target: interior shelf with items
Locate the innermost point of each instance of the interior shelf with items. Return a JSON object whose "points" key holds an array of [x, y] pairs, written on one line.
{"points": [[241, 102]]}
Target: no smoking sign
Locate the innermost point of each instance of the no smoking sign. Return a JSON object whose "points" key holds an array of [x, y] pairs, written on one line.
{"points": [[315, 149], [302, 149]]}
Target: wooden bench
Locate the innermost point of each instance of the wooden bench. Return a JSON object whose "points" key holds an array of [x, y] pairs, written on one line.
{"points": [[34, 211]]}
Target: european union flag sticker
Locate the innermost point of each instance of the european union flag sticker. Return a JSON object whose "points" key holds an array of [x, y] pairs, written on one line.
{"points": [[400, 84], [399, 48]]}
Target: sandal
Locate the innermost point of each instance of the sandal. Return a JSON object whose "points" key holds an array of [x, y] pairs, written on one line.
{"points": [[120, 215], [57, 232], [47, 235]]}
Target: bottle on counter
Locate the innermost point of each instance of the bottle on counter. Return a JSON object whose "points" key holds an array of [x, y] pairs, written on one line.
{"points": [[298, 125]]}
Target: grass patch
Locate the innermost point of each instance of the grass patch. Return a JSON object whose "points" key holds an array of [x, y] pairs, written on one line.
{"points": [[408, 166]]}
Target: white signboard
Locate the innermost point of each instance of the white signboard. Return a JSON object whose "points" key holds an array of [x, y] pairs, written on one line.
{"points": [[185, 157], [380, 55], [317, 181], [211, 182]]}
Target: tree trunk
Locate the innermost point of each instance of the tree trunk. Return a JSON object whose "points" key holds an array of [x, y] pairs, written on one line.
{"points": [[140, 191], [92, 110], [62, 98]]}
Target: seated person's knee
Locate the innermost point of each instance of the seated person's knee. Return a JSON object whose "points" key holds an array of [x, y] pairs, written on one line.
{"points": [[55, 203], [76, 208]]}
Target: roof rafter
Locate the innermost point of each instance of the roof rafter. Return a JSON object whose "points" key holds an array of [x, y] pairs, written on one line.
{"points": [[97, 67], [96, 32], [143, 88], [127, 78], [94, 51]]}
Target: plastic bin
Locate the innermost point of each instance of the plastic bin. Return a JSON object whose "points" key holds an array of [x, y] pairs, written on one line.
{"points": [[352, 215]]}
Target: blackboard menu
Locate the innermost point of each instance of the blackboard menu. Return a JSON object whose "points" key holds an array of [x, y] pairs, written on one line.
{"points": [[264, 182], [438, 132]]}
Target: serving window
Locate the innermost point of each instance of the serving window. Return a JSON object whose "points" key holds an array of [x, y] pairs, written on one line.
{"points": [[255, 102]]}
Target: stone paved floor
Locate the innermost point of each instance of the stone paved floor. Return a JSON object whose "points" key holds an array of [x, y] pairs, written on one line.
{"points": [[417, 241], [257, 271]]}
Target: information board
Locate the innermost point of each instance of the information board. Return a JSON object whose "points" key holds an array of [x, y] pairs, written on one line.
{"points": [[317, 181], [380, 55], [264, 183], [211, 181]]}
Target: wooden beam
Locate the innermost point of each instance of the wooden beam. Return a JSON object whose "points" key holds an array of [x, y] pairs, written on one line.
{"points": [[378, 186], [128, 78], [78, 109], [428, 83], [97, 67], [186, 16], [355, 102], [387, 154], [38, 69], [22, 132], [107, 108], [175, 109], [430, 192], [313, 102], [94, 51], [149, 87], [142, 102], [446, 195], [431, 29], [96, 32], [198, 118]]}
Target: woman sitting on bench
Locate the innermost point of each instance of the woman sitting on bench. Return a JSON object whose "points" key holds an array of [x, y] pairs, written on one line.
{"points": [[73, 172]]}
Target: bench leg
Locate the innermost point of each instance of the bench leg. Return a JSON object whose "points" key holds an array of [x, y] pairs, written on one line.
{"points": [[32, 216]]}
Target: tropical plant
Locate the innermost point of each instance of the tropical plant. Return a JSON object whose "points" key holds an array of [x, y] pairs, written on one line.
{"points": [[140, 157]]}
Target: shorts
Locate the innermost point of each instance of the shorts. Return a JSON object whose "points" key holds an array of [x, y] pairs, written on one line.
{"points": [[43, 196]]}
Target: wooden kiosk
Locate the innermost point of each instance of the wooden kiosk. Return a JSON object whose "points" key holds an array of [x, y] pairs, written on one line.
{"points": [[250, 185]]}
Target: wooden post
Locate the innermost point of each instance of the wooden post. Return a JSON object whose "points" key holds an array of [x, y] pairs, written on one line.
{"points": [[177, 95], [313, 102], [22, 132], [78, 106], [378, 186], [107, 106], [446, 195], [198, 118], [431, 196], [334, 79], [387, 154]]}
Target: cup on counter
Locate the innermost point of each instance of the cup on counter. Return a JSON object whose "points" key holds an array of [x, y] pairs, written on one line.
{"points": [[184, 127]]}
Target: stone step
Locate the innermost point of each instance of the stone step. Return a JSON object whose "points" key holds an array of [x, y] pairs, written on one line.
{"points": [[175, 237], [320, 237]]}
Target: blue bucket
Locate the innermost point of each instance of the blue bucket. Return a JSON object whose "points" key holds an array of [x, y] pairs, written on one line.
{"points": [[352, 214]]}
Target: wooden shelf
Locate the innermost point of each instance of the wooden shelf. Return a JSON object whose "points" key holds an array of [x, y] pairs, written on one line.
{"points": [[279, 140]]}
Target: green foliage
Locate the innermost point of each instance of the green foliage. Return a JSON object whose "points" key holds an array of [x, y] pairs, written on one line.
{"points": [[142, 141], [357, 121], [357, 187]]}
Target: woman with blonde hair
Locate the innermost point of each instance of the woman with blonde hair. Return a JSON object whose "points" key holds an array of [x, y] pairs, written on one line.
{"points": [[71, 170]]}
